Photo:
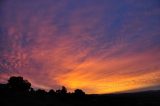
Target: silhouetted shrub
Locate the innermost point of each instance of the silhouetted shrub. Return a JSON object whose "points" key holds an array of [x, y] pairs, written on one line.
{"points": [[18, 84], [51, 92], [62, 91], [41, 93], [79, 92]]}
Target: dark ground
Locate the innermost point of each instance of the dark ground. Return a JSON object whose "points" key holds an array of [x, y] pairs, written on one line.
{"points": [[151, 98]]}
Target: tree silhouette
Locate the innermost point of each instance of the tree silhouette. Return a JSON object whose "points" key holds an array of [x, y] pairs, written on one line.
{"points": [[51, 92], [41, 92], [18, 84], [62, 91], [79, 92]]}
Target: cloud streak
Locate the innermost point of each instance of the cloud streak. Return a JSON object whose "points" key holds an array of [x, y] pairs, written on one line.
{"points": [[99, 46]]}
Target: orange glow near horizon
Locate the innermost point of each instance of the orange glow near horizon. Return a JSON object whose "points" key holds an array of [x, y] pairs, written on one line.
{"points": [[96, 77], [116, 84]]}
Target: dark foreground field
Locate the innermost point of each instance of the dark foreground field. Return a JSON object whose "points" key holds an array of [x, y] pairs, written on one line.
{"points": [[135, 99], [18, 92]]}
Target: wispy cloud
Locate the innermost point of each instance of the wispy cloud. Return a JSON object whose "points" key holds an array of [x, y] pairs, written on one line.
{"points": [[99, 46]]}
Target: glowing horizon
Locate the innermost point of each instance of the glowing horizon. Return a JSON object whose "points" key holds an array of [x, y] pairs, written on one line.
{"points": [[99, 46]]}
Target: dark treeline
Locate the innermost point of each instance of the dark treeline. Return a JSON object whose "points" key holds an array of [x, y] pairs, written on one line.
{"points": [[21, 86], [18, 92]]}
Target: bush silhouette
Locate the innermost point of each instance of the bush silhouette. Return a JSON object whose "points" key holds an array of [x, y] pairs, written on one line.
{"points": [[51, 92], [62, 91], [41, 92], [18, 84], [79, 92]]}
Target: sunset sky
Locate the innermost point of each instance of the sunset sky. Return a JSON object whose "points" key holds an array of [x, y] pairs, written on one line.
{"points": [[99, 46]]}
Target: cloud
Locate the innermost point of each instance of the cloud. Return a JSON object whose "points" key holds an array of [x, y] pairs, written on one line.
{"points": [[100, 47]]}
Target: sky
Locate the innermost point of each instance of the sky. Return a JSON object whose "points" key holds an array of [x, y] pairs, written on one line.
{"points": [[99, 46]]}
